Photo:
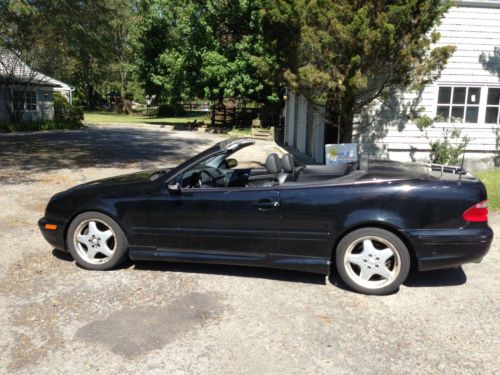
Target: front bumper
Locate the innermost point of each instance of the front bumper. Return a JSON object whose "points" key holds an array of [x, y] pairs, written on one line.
{"points": [[437, 249], [53, 237]]}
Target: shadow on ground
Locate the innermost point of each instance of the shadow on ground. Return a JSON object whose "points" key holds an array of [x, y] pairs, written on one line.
{"points": [[90, 147], [214, 269], [230, 270], [438, 278]]}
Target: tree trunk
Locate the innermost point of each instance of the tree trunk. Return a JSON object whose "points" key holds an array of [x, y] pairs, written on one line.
{"points": [[347, 119], [346, 126], [90, 96], [342, 115], [220, 97], [123, 82]]}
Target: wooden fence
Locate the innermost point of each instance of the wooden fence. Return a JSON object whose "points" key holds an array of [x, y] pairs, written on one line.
{"points": [[243, 117]]}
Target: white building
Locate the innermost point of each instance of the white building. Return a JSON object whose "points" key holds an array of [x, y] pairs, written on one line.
{"points": [[27, 92], [465, 97]]}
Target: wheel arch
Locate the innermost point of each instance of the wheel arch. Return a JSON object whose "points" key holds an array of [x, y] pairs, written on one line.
{"points": [[380, 225]]}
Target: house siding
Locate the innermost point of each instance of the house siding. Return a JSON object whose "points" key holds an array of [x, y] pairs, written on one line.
{"points": [[385, 130], [44, 109]]}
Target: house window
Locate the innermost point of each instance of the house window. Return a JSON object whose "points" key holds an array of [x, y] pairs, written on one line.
{"points": [[24, 100], [458, 104], [492, 106], [18, 100], [30, 100]]}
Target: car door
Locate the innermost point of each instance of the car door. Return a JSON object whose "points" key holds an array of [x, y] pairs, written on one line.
{"points": [[244, 221], [309, 220]]}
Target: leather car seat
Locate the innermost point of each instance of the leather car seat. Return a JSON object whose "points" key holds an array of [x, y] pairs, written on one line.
{"points": [[288, 165], [273, 164]]}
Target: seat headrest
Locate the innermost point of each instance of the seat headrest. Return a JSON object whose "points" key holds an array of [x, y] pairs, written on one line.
{"points": [[273, 164], [287, 163]]}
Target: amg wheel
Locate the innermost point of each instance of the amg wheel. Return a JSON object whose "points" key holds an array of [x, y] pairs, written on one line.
{"points": [[96, 241], [372, 261]]}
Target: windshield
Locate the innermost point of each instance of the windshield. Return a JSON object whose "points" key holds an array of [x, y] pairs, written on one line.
{"points": [[222, 149], [215, 162]]}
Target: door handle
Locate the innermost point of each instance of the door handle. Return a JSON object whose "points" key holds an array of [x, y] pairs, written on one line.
{"points": [[266, 204]]}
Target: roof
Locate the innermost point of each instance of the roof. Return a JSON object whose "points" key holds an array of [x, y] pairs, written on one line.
{"points": [[479, 3], [14, 70]]}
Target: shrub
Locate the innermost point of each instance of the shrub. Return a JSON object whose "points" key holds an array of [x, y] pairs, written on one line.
{"points": [[443, 151], [66, 116], [171, 110], [449, 149], [37, 126], [65, 113]]}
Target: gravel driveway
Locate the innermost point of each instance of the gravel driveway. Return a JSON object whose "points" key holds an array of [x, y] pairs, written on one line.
{"points": [[183, 319]]}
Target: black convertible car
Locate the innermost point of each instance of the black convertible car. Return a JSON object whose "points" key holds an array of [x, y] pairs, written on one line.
{"points": [[370, 221]]}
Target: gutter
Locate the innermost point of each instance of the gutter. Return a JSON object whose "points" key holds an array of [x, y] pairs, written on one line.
{"points": [[478, 3]]}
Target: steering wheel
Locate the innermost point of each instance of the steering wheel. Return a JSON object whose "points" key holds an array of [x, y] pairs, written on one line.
{"points": [[213, 177]]}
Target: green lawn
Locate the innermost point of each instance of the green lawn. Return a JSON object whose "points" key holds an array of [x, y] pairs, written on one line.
{"points": [[240, 132], [492, 181], [115, 118], [110, 117]]}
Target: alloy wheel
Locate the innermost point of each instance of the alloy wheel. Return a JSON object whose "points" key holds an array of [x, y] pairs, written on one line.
{"points": [[372, 262], [95, 241]]}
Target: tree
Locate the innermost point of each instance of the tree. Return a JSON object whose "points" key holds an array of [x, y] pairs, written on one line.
{"points": [[17, 63], [346, 54], [206, 49], [85, 43]]}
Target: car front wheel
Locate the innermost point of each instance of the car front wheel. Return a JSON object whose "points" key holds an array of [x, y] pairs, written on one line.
{"points": [[372, 261], [96, 241]]}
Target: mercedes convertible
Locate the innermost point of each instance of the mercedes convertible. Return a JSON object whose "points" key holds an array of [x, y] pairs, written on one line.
{"points": [[368, 221]]}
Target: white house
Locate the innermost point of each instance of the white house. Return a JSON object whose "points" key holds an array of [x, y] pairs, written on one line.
{"points": [[465, 97], [26, 92]]}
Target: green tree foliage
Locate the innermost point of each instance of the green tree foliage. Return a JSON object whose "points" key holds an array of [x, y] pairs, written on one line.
{"points": [[85, 43], [348, 53], [206, 49]]}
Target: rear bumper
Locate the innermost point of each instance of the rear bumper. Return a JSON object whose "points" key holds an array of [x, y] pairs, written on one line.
{"points": [[53, 237], [437, 249]]}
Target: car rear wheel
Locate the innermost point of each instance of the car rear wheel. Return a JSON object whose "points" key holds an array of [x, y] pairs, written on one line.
{"points": [[96, 241], [372, 261]]}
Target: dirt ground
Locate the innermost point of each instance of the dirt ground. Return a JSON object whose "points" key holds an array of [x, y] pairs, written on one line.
{"points": [[166, 318]]}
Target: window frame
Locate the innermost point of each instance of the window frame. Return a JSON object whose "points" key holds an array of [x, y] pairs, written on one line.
{"points": [[25, 106], [492, 106], [483, 103], [465, 105], [33, 95]]}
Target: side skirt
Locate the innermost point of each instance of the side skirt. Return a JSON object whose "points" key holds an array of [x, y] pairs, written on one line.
{"points": [[297, 263]]}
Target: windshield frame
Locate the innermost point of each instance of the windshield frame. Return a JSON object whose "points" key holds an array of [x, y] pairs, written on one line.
{"points": [[226, 147]]}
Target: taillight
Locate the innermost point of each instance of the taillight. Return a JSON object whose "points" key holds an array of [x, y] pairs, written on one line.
{"points": [[477, 213]]}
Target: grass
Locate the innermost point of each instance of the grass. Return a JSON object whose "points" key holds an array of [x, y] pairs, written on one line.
{"points": [[240, 132], [115, 118], [110, 117], [491, 179]]}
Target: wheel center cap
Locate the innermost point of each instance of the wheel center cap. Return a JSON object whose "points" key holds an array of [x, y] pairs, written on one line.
{"points": [[372, 262], [95, 241]]}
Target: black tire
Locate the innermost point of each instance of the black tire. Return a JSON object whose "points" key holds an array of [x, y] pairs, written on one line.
{"points": [[352, 246], [118, 240]]}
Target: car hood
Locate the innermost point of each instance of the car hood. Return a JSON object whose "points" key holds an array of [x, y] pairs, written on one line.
{"points": [[125, 179]]}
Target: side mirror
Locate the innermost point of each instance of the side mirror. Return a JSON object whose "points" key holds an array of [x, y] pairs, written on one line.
{"points": [[174, 187], [231, 163]]}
